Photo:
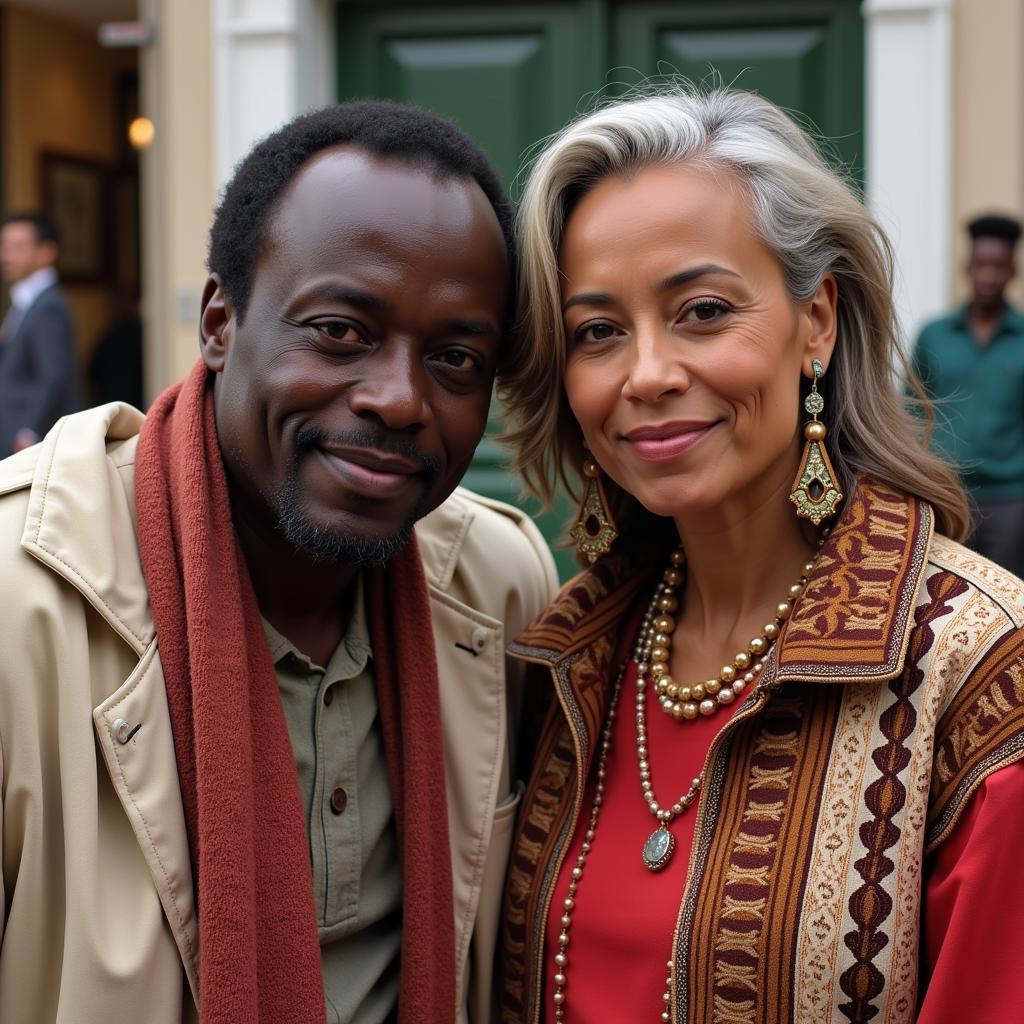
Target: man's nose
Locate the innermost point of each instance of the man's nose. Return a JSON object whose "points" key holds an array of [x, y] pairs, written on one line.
{"points": [[393, 388]]}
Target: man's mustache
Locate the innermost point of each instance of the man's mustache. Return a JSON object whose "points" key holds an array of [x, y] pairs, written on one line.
{"points": [[381, 440]]}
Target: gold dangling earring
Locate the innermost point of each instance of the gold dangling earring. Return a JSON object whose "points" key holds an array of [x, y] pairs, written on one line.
{"points": [[816, 492], [594, 530]]}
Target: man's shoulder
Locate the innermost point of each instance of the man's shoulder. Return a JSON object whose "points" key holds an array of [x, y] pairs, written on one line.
{"points": [[473, 534], [941, 326], [1014, 318], [67, 520], [51, 298], [66, 484]]}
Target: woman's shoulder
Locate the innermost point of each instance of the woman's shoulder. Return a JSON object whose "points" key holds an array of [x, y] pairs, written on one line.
{"points": [[981, 579], [971, 634]]}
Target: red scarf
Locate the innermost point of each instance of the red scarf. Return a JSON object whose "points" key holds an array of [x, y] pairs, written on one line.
{"points": [[258, 941]]}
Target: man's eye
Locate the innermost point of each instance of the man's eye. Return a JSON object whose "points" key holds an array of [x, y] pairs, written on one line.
{"points": [[338, 330], [457, 359]]}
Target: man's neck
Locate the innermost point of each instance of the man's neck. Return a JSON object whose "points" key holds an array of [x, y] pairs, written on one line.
{"points": [[309, 602], [983, 319], [25, 291]]}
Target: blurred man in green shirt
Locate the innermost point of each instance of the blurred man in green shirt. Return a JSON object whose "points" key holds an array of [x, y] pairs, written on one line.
{"points": [[971, 364]]}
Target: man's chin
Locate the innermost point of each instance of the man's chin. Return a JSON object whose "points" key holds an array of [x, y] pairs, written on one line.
{"points": [[333, 546]]}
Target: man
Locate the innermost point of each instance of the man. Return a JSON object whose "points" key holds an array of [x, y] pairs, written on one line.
{"points": [[257, 728], [971, 364], [38, 377]]}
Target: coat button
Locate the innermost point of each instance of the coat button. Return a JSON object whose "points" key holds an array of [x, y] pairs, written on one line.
{"points": [[339, 800], [479, 639], [328, 696], [122, 730]]}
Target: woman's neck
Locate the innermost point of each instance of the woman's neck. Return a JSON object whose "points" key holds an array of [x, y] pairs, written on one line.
{"points": [[740, 564]]}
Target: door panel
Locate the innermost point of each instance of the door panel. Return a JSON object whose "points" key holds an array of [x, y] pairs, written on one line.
{"points": [[807, 57], [500, 71], [789, 62]]}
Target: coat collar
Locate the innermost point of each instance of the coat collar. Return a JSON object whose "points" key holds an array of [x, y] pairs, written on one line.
{"points": [[851, 625], [81, 517]]}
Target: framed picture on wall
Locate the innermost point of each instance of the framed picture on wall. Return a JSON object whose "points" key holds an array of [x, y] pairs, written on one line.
{"points": [[76, 197]]}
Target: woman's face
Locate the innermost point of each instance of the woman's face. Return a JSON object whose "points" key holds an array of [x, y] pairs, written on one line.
{"points": [[685, 351]]}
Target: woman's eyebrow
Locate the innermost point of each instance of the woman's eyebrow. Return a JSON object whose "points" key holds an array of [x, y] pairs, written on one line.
{"points": [[666, 285], [685, 276], [588, 299]]}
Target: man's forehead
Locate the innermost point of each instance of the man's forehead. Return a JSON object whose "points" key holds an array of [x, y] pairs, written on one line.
{"points": [[991, 245], [349, 172], [19, 229], [346, 198], [354, 215]]}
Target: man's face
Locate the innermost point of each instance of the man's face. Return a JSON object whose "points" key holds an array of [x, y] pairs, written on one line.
{"points": [[990, 269], [21, 252], [351, 397]]}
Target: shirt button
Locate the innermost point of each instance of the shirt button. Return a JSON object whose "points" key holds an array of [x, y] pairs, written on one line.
{"points": [[328, 696], [339, 800]]}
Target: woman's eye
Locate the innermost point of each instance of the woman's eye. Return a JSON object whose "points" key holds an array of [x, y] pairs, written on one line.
{"points": [[704, 311], [594, 332]]}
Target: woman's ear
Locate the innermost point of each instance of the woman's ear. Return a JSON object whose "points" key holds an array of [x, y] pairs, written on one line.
{"points": [[821, 322], [216, 324]]}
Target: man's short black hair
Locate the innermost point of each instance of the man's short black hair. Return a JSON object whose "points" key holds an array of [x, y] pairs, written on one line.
{"points": [[46, 230], [380, 127], [995, 225]]}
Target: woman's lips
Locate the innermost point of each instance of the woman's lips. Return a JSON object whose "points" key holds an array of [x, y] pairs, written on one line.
{"points": [[667, 441]]}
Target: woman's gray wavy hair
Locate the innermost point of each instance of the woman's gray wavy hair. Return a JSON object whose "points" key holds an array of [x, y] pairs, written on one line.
{"points": [[803, 211]]}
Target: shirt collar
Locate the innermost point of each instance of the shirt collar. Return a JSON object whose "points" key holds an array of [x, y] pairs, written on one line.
{"points": [[355, 645], [28, 289], [1010, 320]]}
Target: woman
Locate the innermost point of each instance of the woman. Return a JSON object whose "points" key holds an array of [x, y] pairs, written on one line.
{"points": [[788, 705]]}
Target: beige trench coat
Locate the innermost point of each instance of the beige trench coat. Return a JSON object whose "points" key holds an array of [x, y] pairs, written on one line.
{"points": [[99, 917]]}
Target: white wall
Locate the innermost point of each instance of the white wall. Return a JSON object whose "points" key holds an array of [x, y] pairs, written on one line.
{"points": [[272, 60], [909, 129]]}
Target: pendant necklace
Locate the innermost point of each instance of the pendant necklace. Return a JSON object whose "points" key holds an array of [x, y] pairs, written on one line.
{"points": [[651, 655]]}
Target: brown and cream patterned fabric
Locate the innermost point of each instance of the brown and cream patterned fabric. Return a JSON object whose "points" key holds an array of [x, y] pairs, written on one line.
{"points": [[896, 688]]}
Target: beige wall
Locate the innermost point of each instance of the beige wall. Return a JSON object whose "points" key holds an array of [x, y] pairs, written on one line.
{"points": [[58, 94], [177, 182], [988, 90]]}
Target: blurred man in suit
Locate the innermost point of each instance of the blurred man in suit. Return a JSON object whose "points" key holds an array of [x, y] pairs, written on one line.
{"points": [[38, 377]]}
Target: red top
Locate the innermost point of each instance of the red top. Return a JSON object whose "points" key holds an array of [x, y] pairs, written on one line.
{"points": [[620, 939]]}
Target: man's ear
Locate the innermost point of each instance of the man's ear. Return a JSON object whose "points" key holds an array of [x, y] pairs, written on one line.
{"points": [[822, 314], [216, 324]]}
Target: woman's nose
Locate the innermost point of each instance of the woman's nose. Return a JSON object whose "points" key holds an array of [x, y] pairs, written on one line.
{"points": [[656, 369]]}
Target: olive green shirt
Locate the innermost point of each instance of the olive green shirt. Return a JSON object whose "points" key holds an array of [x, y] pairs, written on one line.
{"points": [[343, 777]]}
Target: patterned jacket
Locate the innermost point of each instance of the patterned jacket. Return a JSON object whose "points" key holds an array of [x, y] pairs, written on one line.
{"points": [[896, 688]]}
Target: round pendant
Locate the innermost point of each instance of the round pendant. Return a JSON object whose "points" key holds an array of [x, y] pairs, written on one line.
{"points": [[658, 848]]}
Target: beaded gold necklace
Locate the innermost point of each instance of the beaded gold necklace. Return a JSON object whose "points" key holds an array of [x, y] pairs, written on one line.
{"points": [[655, 645]]}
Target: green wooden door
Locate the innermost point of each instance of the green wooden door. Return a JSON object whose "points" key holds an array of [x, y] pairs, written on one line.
{"points": [[806, 56], [510, 74]]}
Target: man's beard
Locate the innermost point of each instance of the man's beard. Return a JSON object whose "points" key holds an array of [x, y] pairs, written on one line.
{"points": [[336, 547]]}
